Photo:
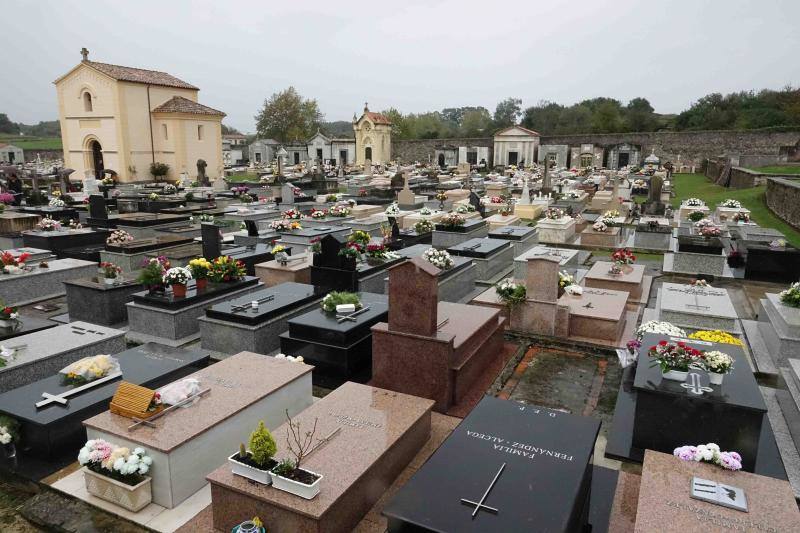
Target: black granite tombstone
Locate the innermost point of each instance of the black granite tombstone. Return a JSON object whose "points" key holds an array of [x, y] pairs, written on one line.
{"points": [[340, 349], [475, 202], [767, 263], [55, 430], [212, 240], [25, 325], [479, 248], [167, 300], [272, 302], [512, 233], [699, 245], [252, 228], [97, 207], [469, 225], [506, 467]]}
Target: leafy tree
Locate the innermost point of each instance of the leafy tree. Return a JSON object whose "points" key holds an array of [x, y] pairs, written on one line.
{"points": [[6, 126], [226, 130], [476, 122], [287, 116], [507, 112], [639, 115]]}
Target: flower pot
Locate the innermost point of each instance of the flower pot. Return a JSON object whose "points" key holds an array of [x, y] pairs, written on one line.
{"points": [[674, 375], [248, 526], [627, 269], [239, 468], [109, 281], [715, 378], [201, 284], [7, 323], [179, 290], [295, 487], [130, 497]]}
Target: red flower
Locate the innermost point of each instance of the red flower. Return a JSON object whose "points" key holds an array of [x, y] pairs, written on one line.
{"points": [[662, 343], [8, 310]]}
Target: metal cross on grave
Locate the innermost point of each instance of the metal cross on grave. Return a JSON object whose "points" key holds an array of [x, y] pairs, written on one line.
{"points": [[479, 505], [694, 386]]}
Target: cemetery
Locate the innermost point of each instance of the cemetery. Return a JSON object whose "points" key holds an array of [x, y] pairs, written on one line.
{"points": [[502, 332]]}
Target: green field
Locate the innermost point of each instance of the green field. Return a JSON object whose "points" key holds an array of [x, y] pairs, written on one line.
{"points": [[787, 169], [242, 176], [32, 143], [698, 186]]}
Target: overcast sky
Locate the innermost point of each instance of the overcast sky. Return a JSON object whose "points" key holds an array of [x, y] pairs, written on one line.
{"points": [[410, 54]]}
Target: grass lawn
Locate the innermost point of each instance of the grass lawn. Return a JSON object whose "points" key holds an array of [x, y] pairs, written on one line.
{"points": [[241, 176], [32, 143], [792, 169], [698, 186]]}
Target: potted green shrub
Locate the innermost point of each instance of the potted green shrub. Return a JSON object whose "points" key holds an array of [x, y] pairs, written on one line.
{"points": [[159, 170], [152, 273], [256, 462]]}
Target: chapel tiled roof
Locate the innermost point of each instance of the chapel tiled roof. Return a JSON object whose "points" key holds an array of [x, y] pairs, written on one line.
{"points": [[377, 118], [179, 104], [140, 75]]}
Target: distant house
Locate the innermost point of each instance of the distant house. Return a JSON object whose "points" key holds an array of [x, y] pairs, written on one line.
{"points": [[262, 151], [234, 139], [514, 145], [556, 155], [623, 155], [232, 155], [331, 149], [587, 156], [11, 154], [124, 119]]}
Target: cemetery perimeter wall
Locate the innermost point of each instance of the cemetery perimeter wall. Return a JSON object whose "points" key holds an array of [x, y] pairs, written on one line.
{"points": [[783, 199], [749, 148]]}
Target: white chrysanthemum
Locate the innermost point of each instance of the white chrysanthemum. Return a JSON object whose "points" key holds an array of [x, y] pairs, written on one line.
{"points": [[138, 451], [147, 460], [143, 469]]}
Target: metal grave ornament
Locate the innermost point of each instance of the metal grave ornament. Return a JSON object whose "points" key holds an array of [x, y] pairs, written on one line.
{"points": [[695, 386], [719, 494], [479, 505]]}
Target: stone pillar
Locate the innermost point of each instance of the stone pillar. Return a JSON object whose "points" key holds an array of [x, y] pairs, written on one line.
{"points": [[414, 298], [541, 281]]}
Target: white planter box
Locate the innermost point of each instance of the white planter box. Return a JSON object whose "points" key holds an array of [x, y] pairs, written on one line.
{"points": [[130, 497], [240, 469], [295, 487]]}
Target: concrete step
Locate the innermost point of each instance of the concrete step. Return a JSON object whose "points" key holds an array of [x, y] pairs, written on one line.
{"points": [[792, 387], [783, 438], [759, 352]]}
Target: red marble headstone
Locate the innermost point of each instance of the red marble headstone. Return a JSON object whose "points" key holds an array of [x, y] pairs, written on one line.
{"points": [[414, 297], [541, 282]]}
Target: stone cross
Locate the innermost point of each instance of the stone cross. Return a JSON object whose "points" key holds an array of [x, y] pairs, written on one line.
{"points": [[615, 190], [546, 185], [414, 298], [541, 281], [368, 167], [84, 54], [525, 198]]}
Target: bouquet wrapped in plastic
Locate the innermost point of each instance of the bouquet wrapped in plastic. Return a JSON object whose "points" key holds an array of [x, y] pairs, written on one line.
{"points": [[89, 369]]}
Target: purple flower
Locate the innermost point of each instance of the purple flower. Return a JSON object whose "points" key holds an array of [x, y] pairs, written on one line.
{"points": [[727, 461], [685, 453], [736, 456]]}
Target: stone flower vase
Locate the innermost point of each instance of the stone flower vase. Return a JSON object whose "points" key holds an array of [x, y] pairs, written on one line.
{"points": [[715, 378], [7, 323], [675, 375], [131, 497], [201, 284], [109, 281], [627, 269], [179, 290]]}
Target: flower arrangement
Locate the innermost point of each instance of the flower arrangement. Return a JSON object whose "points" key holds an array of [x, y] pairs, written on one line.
{"points": [[316, 245], [565, 279], [693, 202], [700, 283], [360, 237], [611, 213], [8, 312], [108, 181], [169, 189], [278, 248], [110, 270], [351, 251], [119, 237], [674, 356], [510, 293], [292, 214], [717, 362], [200, 268], [661, 328], [152, 271], [441, 196], [339, 211], [334, 298], [239, 190], [703, 222], [623, 256], [48, 224], [376, 250], [633, 346], [452, 220], [710, 231], [393, 210], [6, 198], [709, 453], [791, 296], [615, 269], [715, 335], [56, 202], [573, 290], [438, 258], [496, 200], [153, 196], [332, 198], [425, 211], [741, 216], [8, 432], [74, 224], [177, 276], [319, 213], [600, 226], [423, 226], [462, 209], [731, 204], [696, 216], [115, 462], [572, 195], [89, 369], [362, 193], [225, 268], [246, 198], [553, 213], [9, 260], [284, 225]]}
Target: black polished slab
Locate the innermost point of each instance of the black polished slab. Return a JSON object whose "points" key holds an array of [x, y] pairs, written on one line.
{"points": [[669, 415], [91, 300], [319, 326], [58, 241], [53, 430], [544, 486], [56, 213], [274, 301], [138, 246], [699, 245], [479, 248], [512, 233], [459, 262], [765, 263], [251, 255], [620, 445], [26, 324], [468, 226], [409, 237], [167, 300]]}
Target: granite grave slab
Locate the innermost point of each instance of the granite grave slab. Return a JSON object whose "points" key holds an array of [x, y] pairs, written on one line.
{"points": [[37, 283], [523, 238], [568, 258], [490, 256], [92, 300], [446, 237], [697, 307]]}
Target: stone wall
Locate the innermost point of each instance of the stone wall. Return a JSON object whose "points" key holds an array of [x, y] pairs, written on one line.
{"points": [[410, 150], [783, 199], [739, 178]]}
